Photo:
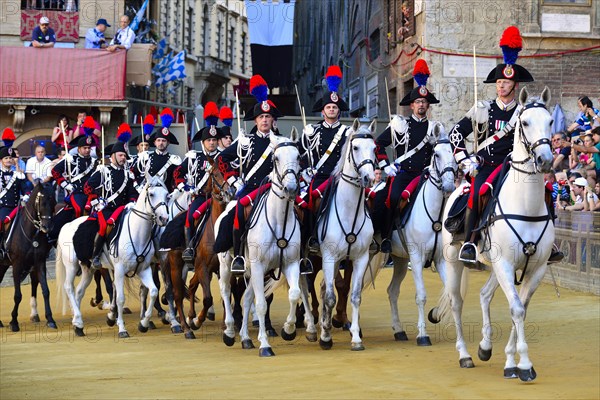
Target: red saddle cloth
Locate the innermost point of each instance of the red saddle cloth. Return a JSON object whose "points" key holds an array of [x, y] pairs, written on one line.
{"points": [[202, 209], [11, 216], [406, 193]]}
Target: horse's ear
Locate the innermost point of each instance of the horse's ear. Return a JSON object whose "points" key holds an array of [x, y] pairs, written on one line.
{"points": [[355, 125], [373, 126], [523, 95], [294, 135], [546, 96]]}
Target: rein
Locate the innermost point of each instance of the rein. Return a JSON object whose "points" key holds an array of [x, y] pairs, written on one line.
{"points": [[529, 147]]}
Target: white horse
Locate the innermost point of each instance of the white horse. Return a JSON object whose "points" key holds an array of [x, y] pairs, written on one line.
{"points": [[420, 241], [345, 229], [273, 242], [131, 255], [519, 237]]}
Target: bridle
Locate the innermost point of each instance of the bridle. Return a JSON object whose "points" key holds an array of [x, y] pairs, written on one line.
{"points": [[38, 219], [355, 180], [150, 216], [437, 179], [529, 147], [278, 183]]}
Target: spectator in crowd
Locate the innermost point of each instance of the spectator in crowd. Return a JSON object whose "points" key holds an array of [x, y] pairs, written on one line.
{"points": [[94, 38], [57, 135], [18, 163], [562, 150], [587, 118], [82, 114], [43, 35], [578, 191], [594, 150], [60, 192], [124, 37], [590, 200], [378, 182], [38, 167]]}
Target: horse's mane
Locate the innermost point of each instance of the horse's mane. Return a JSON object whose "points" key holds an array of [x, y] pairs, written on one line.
{"points": [[339, 167], [535, 99]]}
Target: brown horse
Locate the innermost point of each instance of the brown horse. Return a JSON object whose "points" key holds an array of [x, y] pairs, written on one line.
{"points": [[28, 249]]}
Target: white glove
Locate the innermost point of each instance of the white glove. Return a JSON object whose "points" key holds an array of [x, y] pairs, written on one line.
{"points": [[191, 154], [143, 156], [24, 199], [307, 174], [181, 187], [470, 165], [399, 124], [69, 158], [235, 183], [130, 205], [308, 130], [67, 186], [390, 170], [100, 205]]}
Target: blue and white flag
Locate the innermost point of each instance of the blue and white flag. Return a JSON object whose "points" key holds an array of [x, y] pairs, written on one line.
{"points": [[161, 49], [163, 65], [176, 70], [139, 16]]}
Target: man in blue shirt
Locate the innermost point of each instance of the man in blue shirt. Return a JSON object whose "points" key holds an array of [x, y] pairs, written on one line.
{"points": [[43, 35], [587, 118], [94, 38]]}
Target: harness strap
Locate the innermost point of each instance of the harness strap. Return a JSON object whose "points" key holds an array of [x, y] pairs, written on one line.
{"points": [[418, 147], [259, 163], [331, 147]]}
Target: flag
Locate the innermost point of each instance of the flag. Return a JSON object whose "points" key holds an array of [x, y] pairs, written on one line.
{"points": [[161, 48], [271, 31], [176, 70], [162, 66], [139, 16]]}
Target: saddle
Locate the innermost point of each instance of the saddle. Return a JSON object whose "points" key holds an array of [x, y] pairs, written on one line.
{"points": [[409, 194]]}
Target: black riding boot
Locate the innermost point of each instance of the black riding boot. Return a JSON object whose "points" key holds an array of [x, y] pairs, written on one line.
{"points": [[468, 251], [188, 253], [2, 248], [387, 229], [98, 245], [237, 265], [556, 255], [309, 233]]}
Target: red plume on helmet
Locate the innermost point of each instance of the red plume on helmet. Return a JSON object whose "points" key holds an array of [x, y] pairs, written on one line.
{"points": [[211, 113], [89, 125], [148, 125], [511, 44], [333, 78], [8, 137], [226, 115], [259, 88], [124, 133], [166, 117]]}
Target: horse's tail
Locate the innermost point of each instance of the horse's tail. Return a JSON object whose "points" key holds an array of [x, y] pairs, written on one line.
{"points": [[61, 295], [443, 311], [375, 266]]}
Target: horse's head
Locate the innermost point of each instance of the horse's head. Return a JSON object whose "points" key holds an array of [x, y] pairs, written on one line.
{"points": [[533, 131], [218, 186], [40, 206], [360, 149], [155, 197], [286, 164], [443, 166]]}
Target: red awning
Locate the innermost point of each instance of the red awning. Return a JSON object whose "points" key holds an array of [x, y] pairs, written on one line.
{"points": [[62, 74]]}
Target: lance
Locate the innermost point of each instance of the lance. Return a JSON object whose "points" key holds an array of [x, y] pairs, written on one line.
{"points": [[240, 134], [103, 161], [475, 127], [62, 128], [305, 140]]}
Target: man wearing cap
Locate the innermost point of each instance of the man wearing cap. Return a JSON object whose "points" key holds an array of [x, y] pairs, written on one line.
{"points": [[109, 188], [411, 151], [255, 164], [43, 35], [12, 187], [124, 37], [322, 144], [159, 162], [94, 38], [495, 121], [225, 139], [73, 171], [194, 171]]}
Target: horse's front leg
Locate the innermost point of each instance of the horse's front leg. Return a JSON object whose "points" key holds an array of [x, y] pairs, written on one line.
{"points": [[247, 301], [147, 278], [119, 284], [309, 321], [393, 291], [41, 272], [76, 298], [485, 297], [360, 266], [225, 289], [416, 262], [143, 300], [454, 270], [35, 280], [292, 274], [328, 300], [14, 323], [257, 279]]}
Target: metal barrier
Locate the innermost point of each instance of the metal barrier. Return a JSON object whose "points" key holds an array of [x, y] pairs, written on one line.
{"points": [[578, 236]]}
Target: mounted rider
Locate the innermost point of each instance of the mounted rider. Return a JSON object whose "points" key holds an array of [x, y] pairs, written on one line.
{"points": [[141, 141], [247, 162], [225, 140], [193, 173], [322, 143], [13, 185], [494, 122], [110, 188], [411, 149], [159, 162], [73, 171]]}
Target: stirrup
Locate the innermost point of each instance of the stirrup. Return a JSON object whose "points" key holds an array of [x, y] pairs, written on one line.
{"points": [[96, 263], [556, 255], [238, 265], [468, 254], [306, 266], [313, 245], [188, 255], [386, 246], [374, 247]]}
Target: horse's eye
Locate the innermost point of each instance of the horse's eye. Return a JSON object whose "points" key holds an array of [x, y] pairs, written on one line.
{"points": [[525, 123], [150, 194], [354, 148], [274, 159], [551, 122]]}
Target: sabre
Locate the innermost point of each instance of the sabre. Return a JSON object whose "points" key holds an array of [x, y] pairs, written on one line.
{"points": [[475, 127], [62, 128], [387, 95], [103, 161], [305, 142], [201, 142], [240, 134], [142, 129]]}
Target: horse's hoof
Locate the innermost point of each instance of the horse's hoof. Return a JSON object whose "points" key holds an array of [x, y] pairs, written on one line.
{"points": [[190, 335], [210, 316], [466, 362], [348, 330], [151, 325], [336, 323], [34, 318], [423, 341], [511, 373], [123, 335], [346, 327], [288, 336], [78, 331], [271, 332], [311, 337], [401, 336], [326, 344], [142, 328], [161, 314], [484, 355], [163, 300], [527, 375], [165, 321], [265, 352], [51, 325], [176, 329], [431, 318], [255, 323], [247, 344], [110, 322], [357, 346], [229, 341], [93, 302], [14, 327], [192, 324], [126, 310]]}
